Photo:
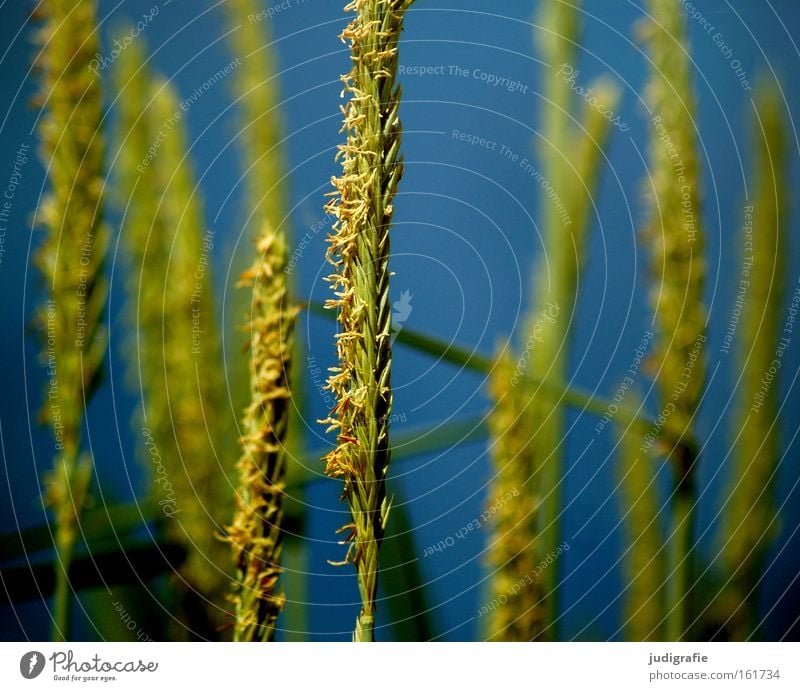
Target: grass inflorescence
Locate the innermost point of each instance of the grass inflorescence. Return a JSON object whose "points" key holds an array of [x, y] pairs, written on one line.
{"points": [[191, 377], [71, 258], [534, 451], [749, 510], [513, 550], [143, 236], [675, 241], [359, 251], [256, 532]]}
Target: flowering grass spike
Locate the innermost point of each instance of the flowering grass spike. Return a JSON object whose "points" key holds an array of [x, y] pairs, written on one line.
{"points": [[359, 251]]}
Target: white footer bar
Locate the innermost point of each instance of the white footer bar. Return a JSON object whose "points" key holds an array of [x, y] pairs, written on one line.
{"points": [[401, 667]]}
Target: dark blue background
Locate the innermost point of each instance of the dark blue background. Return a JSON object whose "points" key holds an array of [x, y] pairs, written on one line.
{"points": [[464, 243]]}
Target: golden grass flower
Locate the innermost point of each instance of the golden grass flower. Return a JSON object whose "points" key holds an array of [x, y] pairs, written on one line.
{"points": [[359, 251], [255, 534]]}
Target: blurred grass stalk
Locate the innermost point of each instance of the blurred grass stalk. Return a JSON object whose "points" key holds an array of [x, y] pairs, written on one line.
{"points": [[674, 237], [359, 251], [71, 258], [255, 87], [528, 419], [571, 158], [191, 351], [749, 513], [515, 496], [135, 193], [644, 558], [177, 347], [143, 232], [270, 438]]}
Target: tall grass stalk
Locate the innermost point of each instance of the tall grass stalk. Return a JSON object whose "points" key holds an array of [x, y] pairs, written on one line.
{"points": [[256, 530], [749, 511], [644, 560], [143, 236], [185, 401], [520, 443], [514, 496], [160, 317], [71, 259], [674, 238], [554, 282], [267, 452], [566, 220], [258, 98], [359, 251]]}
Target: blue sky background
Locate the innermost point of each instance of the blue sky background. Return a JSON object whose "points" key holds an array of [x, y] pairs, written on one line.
{"points": [[464, 242]]}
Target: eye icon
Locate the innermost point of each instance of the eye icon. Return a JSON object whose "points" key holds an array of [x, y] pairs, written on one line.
{"points": [[31, 664]]}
